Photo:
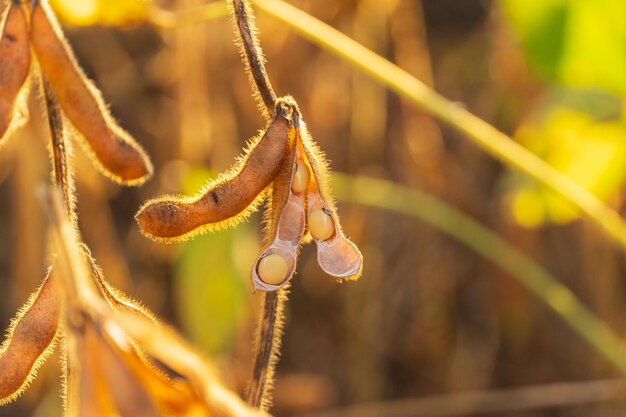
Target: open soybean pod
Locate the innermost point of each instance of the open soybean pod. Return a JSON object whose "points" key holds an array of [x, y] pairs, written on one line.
{"points": [[14, 63], [30, 339], [232, 196], [277, 263], [115, 152], [336, 254]]}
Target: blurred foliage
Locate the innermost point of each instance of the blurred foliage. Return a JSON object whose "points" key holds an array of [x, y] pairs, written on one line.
{"points": [[211, 281], [101, 12], [572, 42], [590, 151], [579, 127]]}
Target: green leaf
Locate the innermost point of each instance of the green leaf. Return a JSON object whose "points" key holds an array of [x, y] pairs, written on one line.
{"points": [[212, 283], [590, 152], [575, 43]]}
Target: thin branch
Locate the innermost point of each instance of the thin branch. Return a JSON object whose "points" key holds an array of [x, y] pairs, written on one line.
{"points": [[498, 402], [480, 132], [253, 56], [491, 246]]}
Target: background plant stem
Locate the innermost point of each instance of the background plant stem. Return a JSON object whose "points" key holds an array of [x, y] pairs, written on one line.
{"points": [[410, 202], [480, 132]]}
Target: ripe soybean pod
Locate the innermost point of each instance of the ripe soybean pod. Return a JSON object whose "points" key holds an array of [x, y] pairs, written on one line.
{"points": [[14, 64], [30, 339], [113, 149], [336, 254], [277, 263], [231, 197]]}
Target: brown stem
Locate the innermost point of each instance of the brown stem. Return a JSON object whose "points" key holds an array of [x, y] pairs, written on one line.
{"points": [[269, 330], [255, 63], [269, 335], [62, 175]]}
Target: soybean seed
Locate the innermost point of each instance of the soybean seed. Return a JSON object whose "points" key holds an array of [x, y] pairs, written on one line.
{"points": [[301, 177], [272, 269], [321, 225]]}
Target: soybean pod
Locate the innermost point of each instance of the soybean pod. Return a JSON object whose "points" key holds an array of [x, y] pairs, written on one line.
{"points": [[232, 196], [336, 254], [277, 263], [113, 149], [14, 64], [30, 339]]}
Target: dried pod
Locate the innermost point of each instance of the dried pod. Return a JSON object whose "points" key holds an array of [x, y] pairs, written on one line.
{"points": [[336, 254], [167, 347], [14, 64], [113, 149], [228, 199], [30, 339], [112, 376], [277, 263]]}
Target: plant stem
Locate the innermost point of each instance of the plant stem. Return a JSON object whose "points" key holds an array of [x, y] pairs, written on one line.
{"points": [[269, 334], [253, 56], [62, 175], [269, 330], [480, 132], [533, 277]]}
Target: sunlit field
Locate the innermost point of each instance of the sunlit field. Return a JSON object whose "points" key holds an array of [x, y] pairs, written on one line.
{"points": [[313, 208]]}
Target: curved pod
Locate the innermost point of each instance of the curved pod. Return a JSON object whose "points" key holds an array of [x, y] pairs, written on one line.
{"points": [[14, 63], [115, 151], [230, 197], [336, 255], [30, 339]]}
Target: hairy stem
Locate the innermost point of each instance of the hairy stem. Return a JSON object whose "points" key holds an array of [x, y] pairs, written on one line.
{"points": [[253, 56], [62, 175], [269, 335], [269, 330]]}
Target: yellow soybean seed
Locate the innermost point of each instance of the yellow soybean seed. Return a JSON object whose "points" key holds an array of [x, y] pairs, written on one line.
{"points": [[272, 269], [301, 177], [321, 225]]}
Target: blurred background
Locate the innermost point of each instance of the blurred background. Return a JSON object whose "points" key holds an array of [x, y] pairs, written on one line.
{"points": [[429, 319]]}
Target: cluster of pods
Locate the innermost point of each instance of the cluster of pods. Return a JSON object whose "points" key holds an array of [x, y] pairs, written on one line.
{"points": [[109, 338], [33, 27], [285, 160]]}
